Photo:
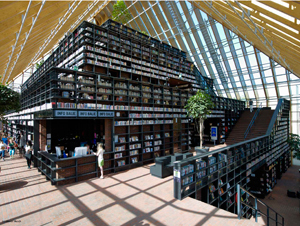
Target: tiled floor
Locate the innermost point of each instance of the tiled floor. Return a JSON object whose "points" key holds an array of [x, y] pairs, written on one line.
{"points": [[289, 208], [132, 197]]}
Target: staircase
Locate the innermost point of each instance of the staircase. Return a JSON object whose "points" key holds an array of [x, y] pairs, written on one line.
{"points": [[261, 123], [237, 133], [259, 127]]}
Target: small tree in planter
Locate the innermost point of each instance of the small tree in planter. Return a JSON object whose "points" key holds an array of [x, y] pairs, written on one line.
{"points": [[198, 107], [294, 142]]}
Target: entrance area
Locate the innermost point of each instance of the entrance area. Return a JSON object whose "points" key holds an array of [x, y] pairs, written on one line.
{"points": [[71, 133]]}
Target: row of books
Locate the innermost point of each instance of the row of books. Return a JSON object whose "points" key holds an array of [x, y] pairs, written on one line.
{"points": [[187, 169], [136, 115], [167, 71], [134, 152], [134, 146], [157, 109], [66, 78], [119, 155], [187, 180], [103, 82], [121, 92], [86, 106], [121, 163], [158, 142], [200, 174], [67, 86], [87, 81], [120, 148], [134, 138], [142, 122]]}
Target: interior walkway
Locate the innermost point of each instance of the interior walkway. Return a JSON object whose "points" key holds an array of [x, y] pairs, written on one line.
{"points": [[278, 200], [132, 197]]}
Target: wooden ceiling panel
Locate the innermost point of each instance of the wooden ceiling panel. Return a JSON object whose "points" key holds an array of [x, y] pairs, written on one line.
{"points": [[10, 22]]}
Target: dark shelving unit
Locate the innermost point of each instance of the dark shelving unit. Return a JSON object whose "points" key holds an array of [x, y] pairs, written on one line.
{"points": [[213, 177]]}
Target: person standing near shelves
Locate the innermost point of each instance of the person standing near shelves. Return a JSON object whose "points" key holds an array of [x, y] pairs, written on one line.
{"points": [[251, 105], [4, 139], [2, 149], [100, 152], [28, 153]]}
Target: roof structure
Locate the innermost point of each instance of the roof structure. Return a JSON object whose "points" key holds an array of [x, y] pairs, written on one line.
{"points": [[29, 29], [250, 48]]}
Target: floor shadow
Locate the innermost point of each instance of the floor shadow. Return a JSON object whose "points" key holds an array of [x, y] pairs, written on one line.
{"points": [[13, 185]]}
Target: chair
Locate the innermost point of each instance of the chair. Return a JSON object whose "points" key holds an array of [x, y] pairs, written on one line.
{"points": [[162, 167]]}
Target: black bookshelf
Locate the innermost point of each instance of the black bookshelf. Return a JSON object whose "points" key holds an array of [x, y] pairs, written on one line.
{"points": [[213, 177]]}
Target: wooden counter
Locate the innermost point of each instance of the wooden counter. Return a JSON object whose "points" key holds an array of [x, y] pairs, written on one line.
{"points": [[67, 170]]}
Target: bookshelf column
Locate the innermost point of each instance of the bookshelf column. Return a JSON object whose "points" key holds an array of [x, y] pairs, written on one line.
{"points": [[108, 134], [42, 134]]}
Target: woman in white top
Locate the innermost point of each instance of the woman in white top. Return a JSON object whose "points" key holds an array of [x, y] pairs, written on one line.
{"points": [[28, 153], [100, 151]]}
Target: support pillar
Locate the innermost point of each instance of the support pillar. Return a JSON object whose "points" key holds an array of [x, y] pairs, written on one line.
{"points": [[35, 141], [42, 134]]}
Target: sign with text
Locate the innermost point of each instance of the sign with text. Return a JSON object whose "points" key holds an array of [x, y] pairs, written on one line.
{"points": [[214, 133], [103, 114], [92, 114], [65, 113]]}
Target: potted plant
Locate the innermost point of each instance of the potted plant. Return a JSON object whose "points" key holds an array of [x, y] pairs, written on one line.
{"points": [[198, 107], [294, 142]]}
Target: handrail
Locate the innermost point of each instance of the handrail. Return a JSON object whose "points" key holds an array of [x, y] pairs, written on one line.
{"points": [[239, 209], [274, 117], [252, 121]]}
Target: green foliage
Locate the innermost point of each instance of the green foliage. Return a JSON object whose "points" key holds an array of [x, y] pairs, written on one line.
{"points": [[120, 12], [37, 65], [199, 105], [294, 142], [9, 101], [145, 33]]}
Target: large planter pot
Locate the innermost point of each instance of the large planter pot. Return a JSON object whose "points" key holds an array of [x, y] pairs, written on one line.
{"points": [[201, 150]]}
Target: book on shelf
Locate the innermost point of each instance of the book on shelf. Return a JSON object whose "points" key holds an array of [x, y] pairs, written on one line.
{"points": [[122, 140], [134, 159], [134, 138], [119, 155], [121, 163]]}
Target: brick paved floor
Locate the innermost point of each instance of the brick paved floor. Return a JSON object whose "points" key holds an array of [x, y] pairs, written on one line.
{"points": [[278, 200], [133, 197]]}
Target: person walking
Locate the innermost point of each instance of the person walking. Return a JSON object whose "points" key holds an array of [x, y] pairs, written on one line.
{"points": [[251, 105], [28, 153], [100, 151], [11, 148], [2, 149], [4, 138]]}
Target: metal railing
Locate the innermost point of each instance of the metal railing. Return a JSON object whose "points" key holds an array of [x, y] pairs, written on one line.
{"points": [[255, 208], [252, 121]]}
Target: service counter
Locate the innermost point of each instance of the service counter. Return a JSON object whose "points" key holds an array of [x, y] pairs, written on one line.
{"points": [[62, 171]]}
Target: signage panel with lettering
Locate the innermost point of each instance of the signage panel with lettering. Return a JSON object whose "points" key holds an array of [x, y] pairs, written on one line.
{"points": [[104, 114], [65, 113], [92, 114]]}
